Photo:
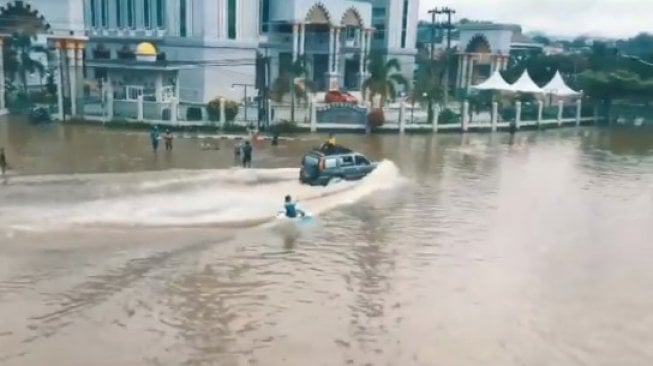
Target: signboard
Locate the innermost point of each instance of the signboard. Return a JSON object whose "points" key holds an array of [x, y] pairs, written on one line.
{"points": [[342, 113]]}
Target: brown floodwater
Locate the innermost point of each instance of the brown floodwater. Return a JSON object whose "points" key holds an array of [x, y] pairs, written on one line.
{"points": [[458, 250]]}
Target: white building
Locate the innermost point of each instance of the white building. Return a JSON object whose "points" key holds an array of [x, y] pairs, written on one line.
{"points": [[204, 47]]}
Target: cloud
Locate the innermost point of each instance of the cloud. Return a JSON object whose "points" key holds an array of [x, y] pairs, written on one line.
{"points": [[606, 18]]}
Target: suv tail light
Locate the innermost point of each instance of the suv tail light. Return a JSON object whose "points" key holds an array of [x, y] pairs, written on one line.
{"points": [[320, 164]]}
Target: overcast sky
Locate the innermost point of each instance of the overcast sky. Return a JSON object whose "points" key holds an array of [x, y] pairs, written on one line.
{"points": [[605, 18]]}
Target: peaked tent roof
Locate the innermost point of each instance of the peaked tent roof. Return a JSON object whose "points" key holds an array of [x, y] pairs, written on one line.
{"points": [[525, 84], [557, 86], [494, 82]]}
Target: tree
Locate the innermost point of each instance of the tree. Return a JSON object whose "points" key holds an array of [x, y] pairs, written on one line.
{"points": [[384, 78], [18, 58], [296, 75], [542, 40]]}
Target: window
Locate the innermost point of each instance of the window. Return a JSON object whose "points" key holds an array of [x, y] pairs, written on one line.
{"points": [[379, 31], [404, 24], [93, 13], [350, 33], [310, 160], [360, 160], [347, 160], [379, 21], [147, 13], [133, 92], [183, 19], [104, 13], [130, 13], [265, 15], [160, 13], [119, 19], [231, 19]]}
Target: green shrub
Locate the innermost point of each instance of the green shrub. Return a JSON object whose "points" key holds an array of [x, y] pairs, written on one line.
{"points": [[231, 109], [285, 127], [447, 116]]}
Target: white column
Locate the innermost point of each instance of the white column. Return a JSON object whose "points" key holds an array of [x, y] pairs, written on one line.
{"points": [[402, 116], [295, 37], [459, 72], [109, 98], [470, 73], [139, 115], [368, 47], [579, 110], [158, 87], [331, 43], [560, 108], [2, 78], [70, 54], [465, 116], [361, 66], [221, 22], [79, 75], [540, 111], [338, 47], [517, 114], [313, 114], [302, 39], [177, 87], [463, 72], [60, 77], [223, 114], [436, 116], [174, 110], [495, 115]]}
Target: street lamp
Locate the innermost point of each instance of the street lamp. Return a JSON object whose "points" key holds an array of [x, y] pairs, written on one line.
{"points": [[244, 86]]}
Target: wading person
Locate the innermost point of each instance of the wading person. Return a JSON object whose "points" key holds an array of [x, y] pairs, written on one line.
{"points": [[3, 162], [154, 138], [168, 140], [247, 155]]}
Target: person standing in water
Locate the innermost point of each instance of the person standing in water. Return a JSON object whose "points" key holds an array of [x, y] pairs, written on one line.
{"points": [[154, 138], [247, 155], [3, 162], [168, 140]]}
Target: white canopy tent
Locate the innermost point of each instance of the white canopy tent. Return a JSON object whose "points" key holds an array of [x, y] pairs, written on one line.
{"points": [[494, 82], [558, 87], [525, 85]]}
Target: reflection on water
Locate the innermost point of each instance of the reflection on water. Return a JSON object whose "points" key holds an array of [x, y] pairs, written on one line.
{"points": [[484, 250]]}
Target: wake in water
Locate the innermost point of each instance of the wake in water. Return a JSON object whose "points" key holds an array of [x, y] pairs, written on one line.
{"points": [[221, 198]]}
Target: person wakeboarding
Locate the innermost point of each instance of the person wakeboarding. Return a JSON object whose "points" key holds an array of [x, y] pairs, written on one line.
{"points": [[291, 209]]}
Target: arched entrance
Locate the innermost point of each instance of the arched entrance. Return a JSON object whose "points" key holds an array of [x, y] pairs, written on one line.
{"points": [[30, 61], [478, 57]]}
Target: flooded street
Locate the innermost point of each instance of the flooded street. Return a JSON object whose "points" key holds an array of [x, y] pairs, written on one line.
{"points": [[458, 250]]}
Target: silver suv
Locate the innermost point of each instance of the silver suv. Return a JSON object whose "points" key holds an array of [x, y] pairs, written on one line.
{"points": [[321, 167]]}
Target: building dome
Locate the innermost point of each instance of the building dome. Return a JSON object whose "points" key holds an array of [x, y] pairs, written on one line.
{"points": [[145, 51]]}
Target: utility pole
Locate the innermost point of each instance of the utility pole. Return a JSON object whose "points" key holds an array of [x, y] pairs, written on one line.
{"points": [[433, 13], [448, 11]]}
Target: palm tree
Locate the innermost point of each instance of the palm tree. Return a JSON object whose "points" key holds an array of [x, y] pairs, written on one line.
{"points": [[296, 80], [384, 78], [18, 58]]}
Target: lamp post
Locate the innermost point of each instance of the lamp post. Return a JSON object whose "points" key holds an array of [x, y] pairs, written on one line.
{"points": [[244, 86]]}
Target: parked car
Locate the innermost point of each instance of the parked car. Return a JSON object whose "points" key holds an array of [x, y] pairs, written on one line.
{"points": [[324, 166], [336, 96]]}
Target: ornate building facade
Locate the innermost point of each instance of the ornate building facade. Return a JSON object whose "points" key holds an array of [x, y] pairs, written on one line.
{"points": [[204, 47]]}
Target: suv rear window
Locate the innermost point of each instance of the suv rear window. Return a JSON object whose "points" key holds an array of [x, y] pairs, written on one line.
{"points": [[310, 160]]}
